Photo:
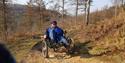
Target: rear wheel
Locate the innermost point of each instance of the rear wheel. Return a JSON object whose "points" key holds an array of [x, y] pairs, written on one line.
{"points": [[45, 49]]}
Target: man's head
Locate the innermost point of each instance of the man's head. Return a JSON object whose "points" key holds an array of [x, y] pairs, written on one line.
{"points": [[53, 24]]}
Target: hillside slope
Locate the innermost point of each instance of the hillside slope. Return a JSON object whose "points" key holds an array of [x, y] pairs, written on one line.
{"points": [[105, 44], [108, 35]]}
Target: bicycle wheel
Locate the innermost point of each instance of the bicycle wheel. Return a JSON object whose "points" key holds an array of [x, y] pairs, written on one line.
{"points": [[45, 49]]}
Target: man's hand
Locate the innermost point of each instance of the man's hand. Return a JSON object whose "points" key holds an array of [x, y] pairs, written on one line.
{"points": [[45, 36]]}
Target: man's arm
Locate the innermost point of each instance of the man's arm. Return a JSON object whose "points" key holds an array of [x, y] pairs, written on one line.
{"points": [[60, 32]]}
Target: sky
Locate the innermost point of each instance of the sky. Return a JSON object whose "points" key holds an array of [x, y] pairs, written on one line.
{"points": [[99, 4], [96, 5]]}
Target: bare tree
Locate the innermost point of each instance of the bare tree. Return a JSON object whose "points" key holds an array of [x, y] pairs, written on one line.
{"points": [[88, 11], [77, 4], [41, 8], [63, 3], [122, 4], [40, 5], [30, 15], [117, 4], [122, 1], [85, 4], [85, 7], [4, 8]]}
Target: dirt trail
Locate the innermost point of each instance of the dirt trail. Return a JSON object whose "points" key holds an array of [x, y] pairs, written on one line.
{"points": [[36, 57]]}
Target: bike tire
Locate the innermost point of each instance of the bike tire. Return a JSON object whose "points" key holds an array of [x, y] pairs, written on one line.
{"points": [[45, 49]]}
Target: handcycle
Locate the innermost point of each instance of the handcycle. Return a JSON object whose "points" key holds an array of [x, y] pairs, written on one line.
{"points": [[49, 44]]}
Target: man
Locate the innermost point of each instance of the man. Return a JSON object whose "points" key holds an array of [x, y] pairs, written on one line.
{"points": [[56, 34]]}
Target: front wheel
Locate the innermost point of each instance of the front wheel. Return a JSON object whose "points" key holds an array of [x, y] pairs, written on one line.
{"points": [[70, 41], [45, 49]]}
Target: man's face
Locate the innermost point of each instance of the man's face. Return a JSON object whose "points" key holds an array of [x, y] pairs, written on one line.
{"points": [[53, 25]]}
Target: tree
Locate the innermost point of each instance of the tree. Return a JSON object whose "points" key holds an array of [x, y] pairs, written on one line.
{"points": [[40, 8], [63, 3], [85, 4], [77, 4], [88, 3], [122, 2], [117, 4], [56, 6], [85, 7], [7, 20], [59, 6], [29, 15], [4, 10]]}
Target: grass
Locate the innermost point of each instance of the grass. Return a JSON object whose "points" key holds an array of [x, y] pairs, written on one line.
{"points": [[21, 48], [107, 42]]}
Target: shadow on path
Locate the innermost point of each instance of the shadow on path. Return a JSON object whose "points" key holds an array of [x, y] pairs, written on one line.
{"points": [[79, 49]]}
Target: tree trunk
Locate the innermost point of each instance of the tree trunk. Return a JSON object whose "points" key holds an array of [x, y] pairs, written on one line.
{"points": [[5, 20], [116, 11], [41, 16], [122, 5], [76, 10], [85, 12], [88, 12], [122, 2], [63, 9]]}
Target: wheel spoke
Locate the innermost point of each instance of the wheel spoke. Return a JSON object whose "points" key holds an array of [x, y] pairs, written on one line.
{"points": [[45, 50]]}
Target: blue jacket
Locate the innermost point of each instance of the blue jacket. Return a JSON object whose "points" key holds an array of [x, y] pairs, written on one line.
{"points": [[57, 33]]}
